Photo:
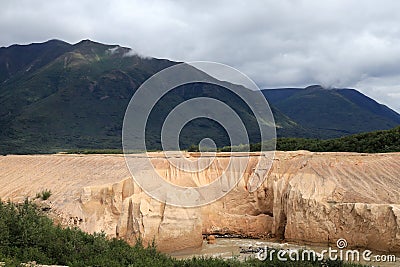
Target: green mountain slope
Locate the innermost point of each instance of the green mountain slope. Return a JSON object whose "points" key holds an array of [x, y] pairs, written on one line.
{"points": [[78, 100]]}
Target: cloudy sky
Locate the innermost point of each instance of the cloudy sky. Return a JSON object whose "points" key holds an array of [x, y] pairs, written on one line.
{"points": [[289, 43]]}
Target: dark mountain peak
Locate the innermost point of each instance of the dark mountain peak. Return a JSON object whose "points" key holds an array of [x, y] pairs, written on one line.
{"points": [[30, 57], [55, 42], [92, 48], [92, 44], [315, 87], [87, 42], [46, 44], [51, 45]]}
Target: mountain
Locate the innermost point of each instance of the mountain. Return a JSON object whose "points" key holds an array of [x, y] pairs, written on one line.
{"points": [[75, 96], [330, 113], [56, 96], [72, 96]]}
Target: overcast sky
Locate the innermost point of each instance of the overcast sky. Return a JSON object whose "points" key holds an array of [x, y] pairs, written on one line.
{"points": [[276, 43]]}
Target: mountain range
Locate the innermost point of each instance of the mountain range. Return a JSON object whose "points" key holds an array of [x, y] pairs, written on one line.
{"points": [[56, 96], [332, 113]]}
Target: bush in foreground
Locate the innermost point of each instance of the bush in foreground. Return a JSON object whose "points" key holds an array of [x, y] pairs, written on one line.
{"points": [[26, 235]]}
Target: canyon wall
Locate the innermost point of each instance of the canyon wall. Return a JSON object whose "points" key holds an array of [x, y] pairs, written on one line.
{"points": [[311, 197]]}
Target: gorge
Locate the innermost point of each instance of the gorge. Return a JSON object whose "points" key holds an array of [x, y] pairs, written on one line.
{"points": [[305, 197]]}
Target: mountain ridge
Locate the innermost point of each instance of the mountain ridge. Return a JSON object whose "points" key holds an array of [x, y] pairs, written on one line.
{"points": [[55, 95], [332, 112]]}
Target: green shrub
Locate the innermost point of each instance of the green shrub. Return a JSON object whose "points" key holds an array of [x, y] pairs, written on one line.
{"points": [[44, 194], [27, 235]]}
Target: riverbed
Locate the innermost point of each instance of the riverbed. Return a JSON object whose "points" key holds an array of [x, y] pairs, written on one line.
{"points": [[228, 248]]}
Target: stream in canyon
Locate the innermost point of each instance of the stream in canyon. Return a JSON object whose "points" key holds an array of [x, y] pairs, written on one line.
{"points": [[231, 248]]}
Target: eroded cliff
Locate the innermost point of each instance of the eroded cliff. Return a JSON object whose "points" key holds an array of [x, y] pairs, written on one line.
{"points": [[314, 197]]}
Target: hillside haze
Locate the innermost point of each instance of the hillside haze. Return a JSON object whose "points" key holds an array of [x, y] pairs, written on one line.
{"points": [[56, 96]]}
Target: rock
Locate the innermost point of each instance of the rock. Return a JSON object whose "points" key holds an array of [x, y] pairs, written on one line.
{"points": [[211, 239]]}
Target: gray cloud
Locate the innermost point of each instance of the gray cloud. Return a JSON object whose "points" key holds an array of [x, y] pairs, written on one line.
{"points": [[335, 43]]}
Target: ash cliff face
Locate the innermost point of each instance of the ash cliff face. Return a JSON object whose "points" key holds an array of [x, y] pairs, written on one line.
{"points": [[313, 197], [124, 210]]}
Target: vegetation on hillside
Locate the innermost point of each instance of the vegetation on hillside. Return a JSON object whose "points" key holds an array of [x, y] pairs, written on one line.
{"points": [[26, 235], [373, 142]]}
